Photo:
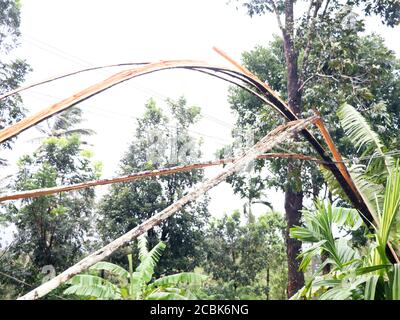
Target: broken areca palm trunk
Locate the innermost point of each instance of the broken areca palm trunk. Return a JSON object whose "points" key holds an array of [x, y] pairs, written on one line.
{"points": [[276, 136], [238, 75], [140, 175]]}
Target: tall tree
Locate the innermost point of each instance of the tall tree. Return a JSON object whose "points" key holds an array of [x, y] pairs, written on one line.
{"points": [[52, 230], [159, 142], [317, 45], [12, 70]]}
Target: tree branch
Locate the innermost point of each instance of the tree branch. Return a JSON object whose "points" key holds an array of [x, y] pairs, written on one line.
{"points": [[278, 16], [311, 29]]}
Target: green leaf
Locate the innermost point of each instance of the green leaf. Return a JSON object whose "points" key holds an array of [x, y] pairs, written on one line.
{"points": [[142, 245], [370, 287], [338, 293], [309, 253], [165, 296], [395, 282], [112, 268], [190, 278], [365, 270], [358, 129], [146, 267], [91, 286]]}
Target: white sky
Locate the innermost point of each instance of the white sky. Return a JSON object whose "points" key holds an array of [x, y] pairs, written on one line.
{"points": [[66, 35]]}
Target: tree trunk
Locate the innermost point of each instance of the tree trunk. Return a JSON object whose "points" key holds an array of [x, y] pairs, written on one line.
{"points": [[293, 192], [268, 283], [293, 203]]}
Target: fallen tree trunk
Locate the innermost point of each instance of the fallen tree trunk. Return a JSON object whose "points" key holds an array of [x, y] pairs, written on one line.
{"points": [[278, 135]]}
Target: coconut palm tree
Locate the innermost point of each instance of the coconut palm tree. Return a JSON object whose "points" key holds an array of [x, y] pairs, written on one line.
{"points": [[64, 124]]}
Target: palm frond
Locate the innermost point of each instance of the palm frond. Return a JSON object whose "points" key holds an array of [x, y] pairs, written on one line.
{"points": [[370, 287], [371, 193], [358, 129], [390, 208], [348, 217], [360, 132], [395, 282]]}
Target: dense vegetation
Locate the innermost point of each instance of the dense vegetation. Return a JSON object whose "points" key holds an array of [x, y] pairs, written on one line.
{"points": [[319, 248]]}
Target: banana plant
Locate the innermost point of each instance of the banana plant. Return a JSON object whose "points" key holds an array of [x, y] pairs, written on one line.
{"points": [[135, 284]]}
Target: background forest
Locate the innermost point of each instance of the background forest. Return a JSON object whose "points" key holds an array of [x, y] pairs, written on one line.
{"points": [[318, 247]]}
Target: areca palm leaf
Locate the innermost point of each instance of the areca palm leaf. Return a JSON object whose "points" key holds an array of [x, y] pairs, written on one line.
{"points": [[337, 293], [309, 253], [358, 129], [390, 206], [370, 287], [346, 289], [364, 270], [395, 282], [348, 217], [347, 256], [360, 132], [371, 193], [318, 230], [326, 283]]}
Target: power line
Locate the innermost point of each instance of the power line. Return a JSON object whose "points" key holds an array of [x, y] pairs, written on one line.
{"points": [[102, 112], [149, 91], [120, 115], [25, 283]]}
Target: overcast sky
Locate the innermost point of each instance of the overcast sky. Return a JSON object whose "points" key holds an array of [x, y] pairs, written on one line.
{"points": [[62, 36]]}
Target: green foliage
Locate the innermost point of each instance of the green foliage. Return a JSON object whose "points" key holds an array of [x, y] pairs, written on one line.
{"points": [[160, 142], [350, 267], [343, 65], [358, 272], [128, 285], [377, 180], [51, 230], [246, 261], [388, 10], [358, 129], [13, 70], [354, 273]]}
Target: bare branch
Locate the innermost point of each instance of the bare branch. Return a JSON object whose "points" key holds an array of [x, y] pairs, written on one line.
{"points": [[278, 16]]}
